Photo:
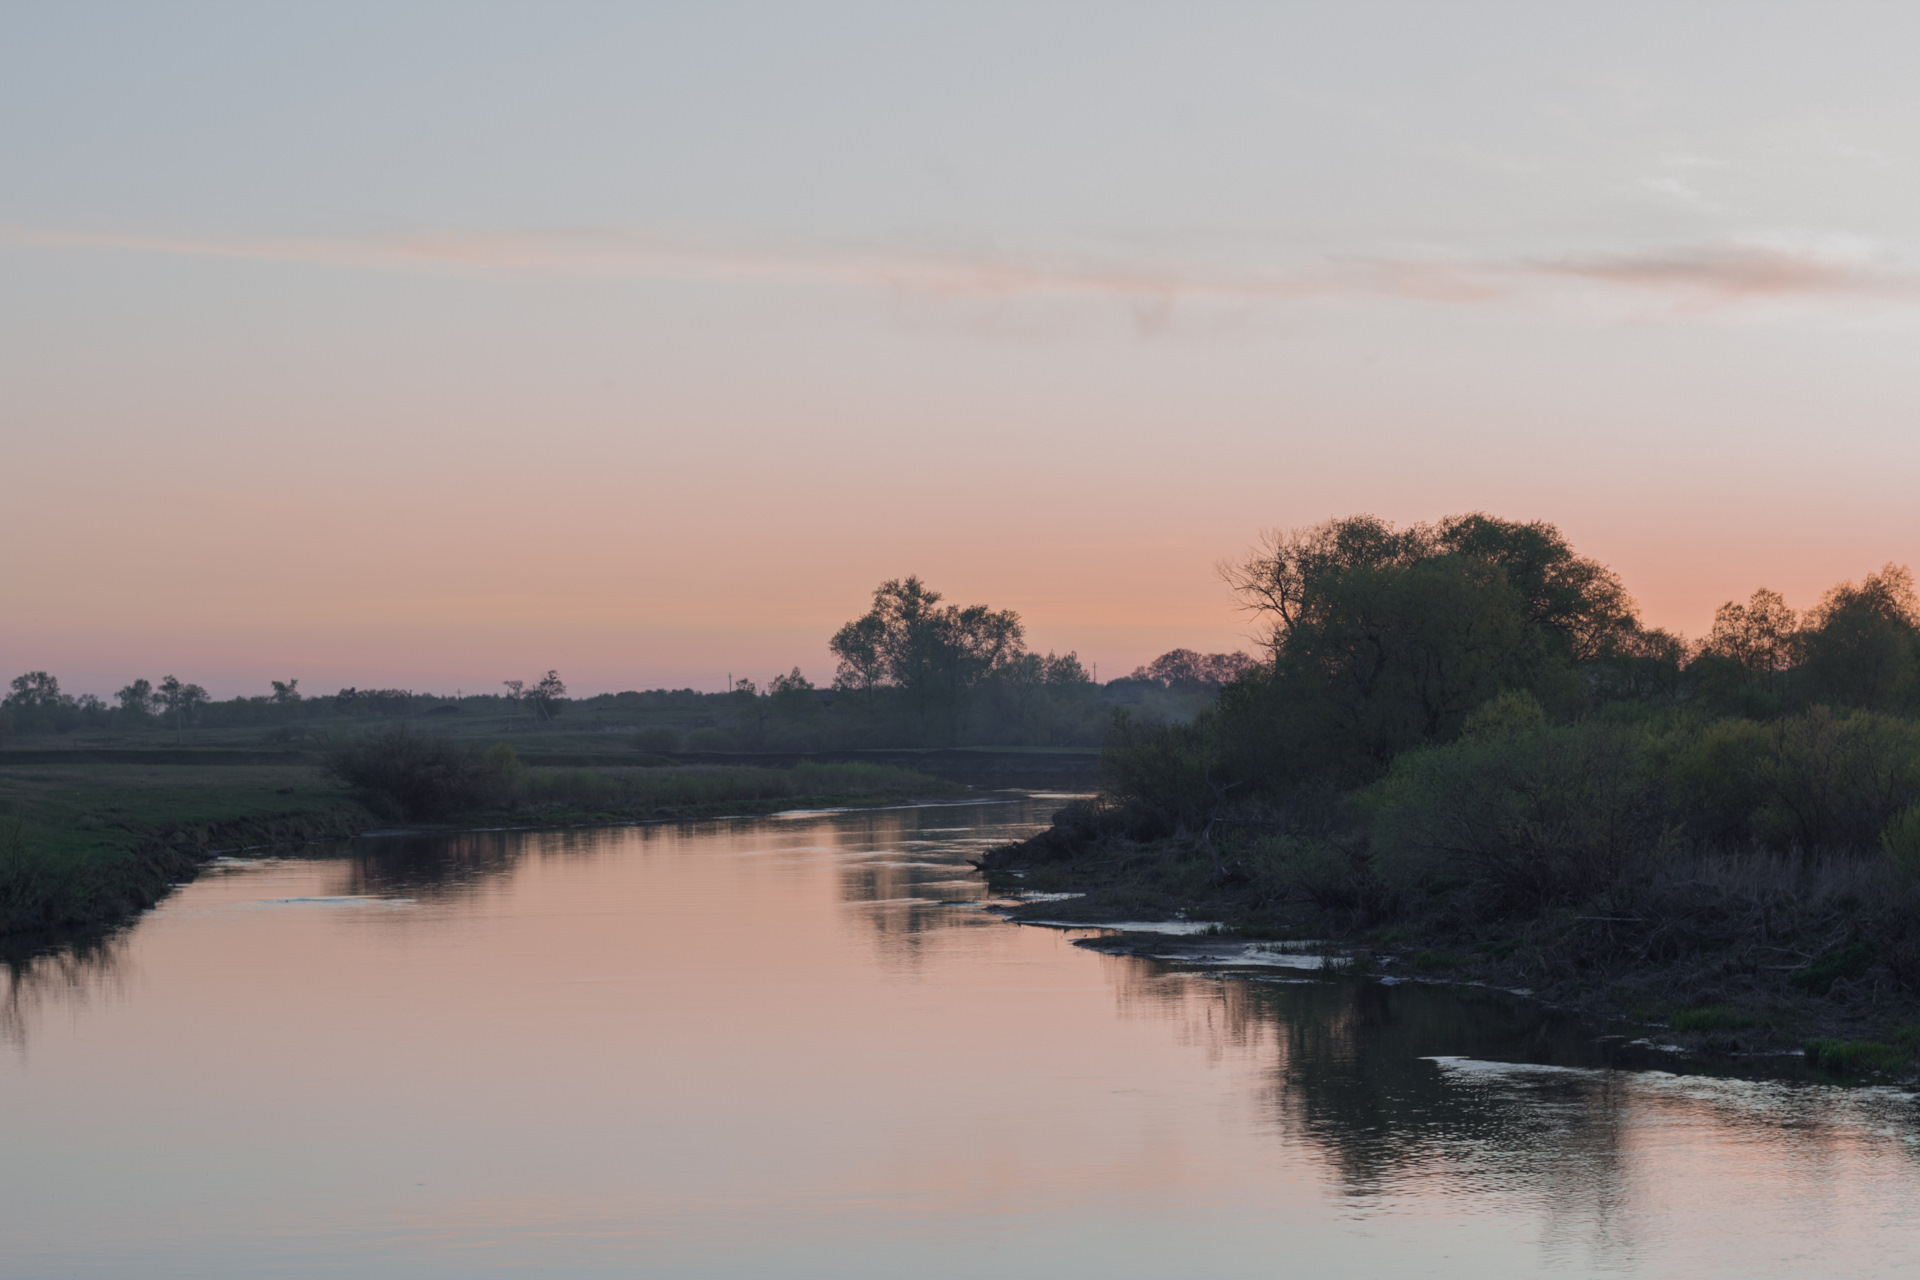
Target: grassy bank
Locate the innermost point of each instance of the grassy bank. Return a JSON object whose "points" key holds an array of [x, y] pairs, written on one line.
{"points": [[1729, 952], [84, 846]]}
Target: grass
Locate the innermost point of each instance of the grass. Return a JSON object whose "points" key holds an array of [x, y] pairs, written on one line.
{"points": [[84, 845], [1856, 1057], [1712, 1018], [702, 789]]}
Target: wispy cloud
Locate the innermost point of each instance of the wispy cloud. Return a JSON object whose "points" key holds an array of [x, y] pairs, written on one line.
{"points": [[1693, 277], [1751, 270], [974, 272]]}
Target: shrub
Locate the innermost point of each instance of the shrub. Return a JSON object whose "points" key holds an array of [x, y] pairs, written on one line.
{"points": [[659, 739], [1848, 962], [1900, 842], [1166, 770], [1835, 781], [1504, 714], [1540, 816], [411, 776]]}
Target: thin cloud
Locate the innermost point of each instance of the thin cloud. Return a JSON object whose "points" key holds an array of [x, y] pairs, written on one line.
{"points": [[977, 273], [1756, 269], [1748, 272]]}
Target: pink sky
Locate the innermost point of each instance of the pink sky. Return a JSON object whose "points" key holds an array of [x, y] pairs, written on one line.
{"points": [[646, 352]]}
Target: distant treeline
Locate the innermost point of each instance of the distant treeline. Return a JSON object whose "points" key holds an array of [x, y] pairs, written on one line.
{"points": [[912, 671]]}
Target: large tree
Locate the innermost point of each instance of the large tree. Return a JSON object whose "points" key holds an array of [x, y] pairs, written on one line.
{"points": [[1382, 638], [934, 654]]}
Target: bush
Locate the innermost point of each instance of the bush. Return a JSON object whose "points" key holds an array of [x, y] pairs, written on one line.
{"points": [[1535, 817], [659, 739], [1162, 770], [1900, 842], [1843, 963], [411, 776], [1836, 781]]}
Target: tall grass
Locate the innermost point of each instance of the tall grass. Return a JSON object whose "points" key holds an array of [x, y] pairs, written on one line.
{"points": [[709, 787], [418, 778]]}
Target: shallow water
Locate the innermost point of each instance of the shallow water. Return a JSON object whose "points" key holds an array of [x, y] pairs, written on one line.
{"points": [[798, 1047]]}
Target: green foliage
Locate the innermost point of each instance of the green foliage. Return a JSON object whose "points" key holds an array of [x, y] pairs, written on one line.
{"points": [[1334, 877], [1855, 1057], [411, 776], [1816, 781], [1537, 816], [1712, 1018], [1505, 714], [1385, 639], [1861, 647], [660, 739], [1900, 842], [935, 656], [1841, 964], [1162, 770]]}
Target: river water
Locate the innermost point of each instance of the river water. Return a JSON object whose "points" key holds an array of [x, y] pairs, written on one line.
{"points": [[799, 1046]]}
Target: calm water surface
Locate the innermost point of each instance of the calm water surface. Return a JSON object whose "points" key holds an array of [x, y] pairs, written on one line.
{"points": [[798, 1047]]}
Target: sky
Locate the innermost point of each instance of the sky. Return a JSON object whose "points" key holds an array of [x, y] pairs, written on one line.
{"points": [[432, 345]]}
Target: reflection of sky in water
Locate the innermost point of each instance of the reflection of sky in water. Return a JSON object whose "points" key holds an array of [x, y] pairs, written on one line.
{"points": [[799, 1048]]}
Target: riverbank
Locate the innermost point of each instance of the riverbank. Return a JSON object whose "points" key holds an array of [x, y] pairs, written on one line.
{"points": [[1732, 957], [85, 846]]}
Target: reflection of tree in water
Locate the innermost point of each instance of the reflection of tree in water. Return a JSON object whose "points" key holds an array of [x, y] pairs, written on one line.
{"points": [[916, 854], [444, 868], [71, 975], [1354, 1079], [1351, 1074]]}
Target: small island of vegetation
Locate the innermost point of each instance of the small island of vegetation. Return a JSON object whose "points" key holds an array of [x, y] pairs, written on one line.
{"points": [[1463, 756]]}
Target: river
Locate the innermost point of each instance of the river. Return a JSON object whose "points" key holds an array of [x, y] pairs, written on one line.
{"points": [[799, 1046]]}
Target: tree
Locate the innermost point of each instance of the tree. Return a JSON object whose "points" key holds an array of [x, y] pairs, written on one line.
{"points": [[1186, 667], [1381, 638], [180, 701], [547, 695], [1759, 637], [792, 698], [1860, 645], [34, 691], [285, 692], [137, 699], [934, 655], [749, 707], [862, 664], [36, 703]]}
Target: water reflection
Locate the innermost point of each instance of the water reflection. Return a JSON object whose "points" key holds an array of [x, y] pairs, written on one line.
{"points": [[73, 976], [799, 1046]]}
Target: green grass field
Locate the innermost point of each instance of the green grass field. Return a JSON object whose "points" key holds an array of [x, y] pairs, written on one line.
{"points": [[84, 844]]}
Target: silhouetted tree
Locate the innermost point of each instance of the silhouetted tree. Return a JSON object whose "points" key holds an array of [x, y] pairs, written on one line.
{"points": [[181, 701], [548, 695], [137, 700], [1861, 644], [934, 655]]}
